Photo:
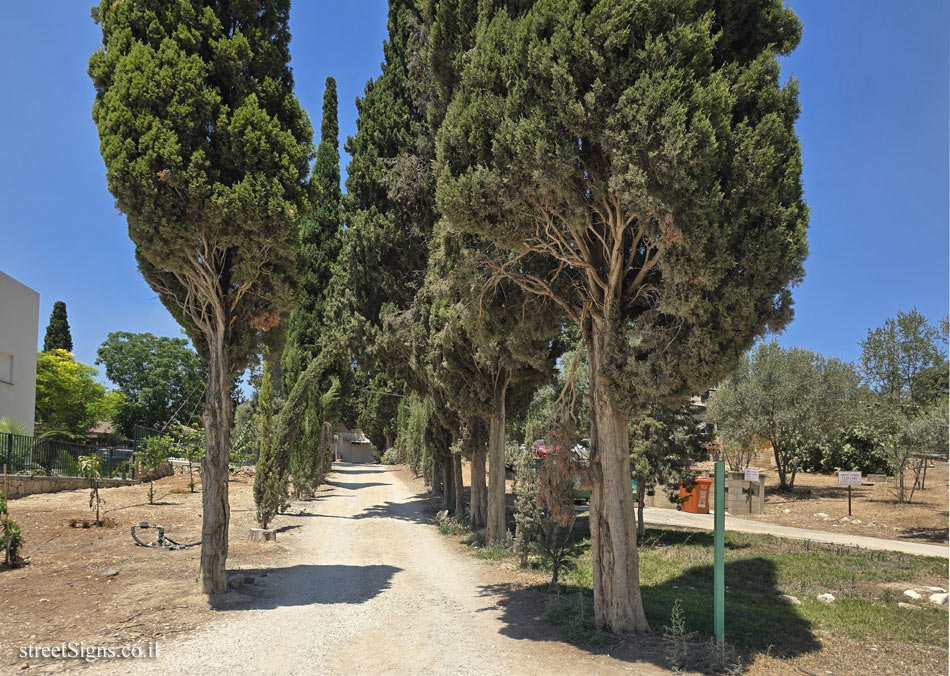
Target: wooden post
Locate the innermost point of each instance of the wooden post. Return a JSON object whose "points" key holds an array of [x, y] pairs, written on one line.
{"points": [[849, 500]]}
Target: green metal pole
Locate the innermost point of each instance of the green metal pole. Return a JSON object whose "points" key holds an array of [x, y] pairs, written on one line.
{"points": [[719, 561]]}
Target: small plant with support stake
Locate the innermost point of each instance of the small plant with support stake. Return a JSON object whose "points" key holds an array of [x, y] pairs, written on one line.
{"points": [[151, 457], [90, 468]]}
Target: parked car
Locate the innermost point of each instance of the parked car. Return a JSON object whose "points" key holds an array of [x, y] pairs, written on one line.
{"points": [[540, 449]]}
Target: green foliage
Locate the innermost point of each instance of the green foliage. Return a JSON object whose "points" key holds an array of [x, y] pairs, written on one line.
{"points": [[191, 443], [646, 162], [271, 471], [90, 468], [208, 163], [155, 451], [415, 418], [905, 361], [57, 331], [526, 507], [390, 457], [10, 425], [795, 399], [664, 444], [68, 398], [924, 433], [245, 437], [162, 378], [319, 235], [12, 541]]}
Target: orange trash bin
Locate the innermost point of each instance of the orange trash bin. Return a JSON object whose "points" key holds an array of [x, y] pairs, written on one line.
{"points": [[695, 495]]}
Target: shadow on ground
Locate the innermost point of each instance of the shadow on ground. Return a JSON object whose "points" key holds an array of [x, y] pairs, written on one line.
{"points": [[420, 508], [357, 469], [354, 486], [756, 621], [304, 585]]}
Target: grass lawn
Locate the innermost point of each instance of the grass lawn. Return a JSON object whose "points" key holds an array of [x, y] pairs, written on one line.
{"points": [[677, 564]]}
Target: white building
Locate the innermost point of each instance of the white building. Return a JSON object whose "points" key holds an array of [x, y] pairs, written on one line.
{"points": [[19, 323]]}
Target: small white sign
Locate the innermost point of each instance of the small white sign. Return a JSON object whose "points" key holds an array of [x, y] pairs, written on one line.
{"points": [[751, 474], [849, 478]]}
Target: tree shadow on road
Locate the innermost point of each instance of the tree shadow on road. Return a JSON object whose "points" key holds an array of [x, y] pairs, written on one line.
{"points": [[419, 508], [354, 486], [357, 469], [305, 585], [756, 621]]}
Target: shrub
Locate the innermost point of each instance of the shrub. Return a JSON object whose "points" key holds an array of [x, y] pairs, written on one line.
{"points": [[526, 508], [390, 457]]}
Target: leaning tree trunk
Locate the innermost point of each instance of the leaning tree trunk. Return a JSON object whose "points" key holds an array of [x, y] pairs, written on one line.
{"points": [[618, 607], [479, 495], [214, 476], [495, 533], [459, 488]]}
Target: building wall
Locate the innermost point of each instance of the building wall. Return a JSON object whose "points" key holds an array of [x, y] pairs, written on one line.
{"points": [[19, 323]]}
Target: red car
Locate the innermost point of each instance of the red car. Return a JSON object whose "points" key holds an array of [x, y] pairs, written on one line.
{"points": [[540, 448]]}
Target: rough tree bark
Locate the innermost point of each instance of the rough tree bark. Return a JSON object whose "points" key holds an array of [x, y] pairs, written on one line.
{"points": [[616, 576], [459, 488], [448, 482], [496, 468], [214, 476], [479, 494]]}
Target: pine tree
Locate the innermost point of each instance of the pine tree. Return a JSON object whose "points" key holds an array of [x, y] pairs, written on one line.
{"points": [[207, 152], [643, 165], [57, 332], [319, 247]]}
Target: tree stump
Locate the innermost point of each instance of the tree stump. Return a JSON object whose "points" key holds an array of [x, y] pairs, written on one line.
{"points": [[263, 535]]}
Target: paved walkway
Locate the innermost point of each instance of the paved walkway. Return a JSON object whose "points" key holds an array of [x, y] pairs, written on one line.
{"points": [[671, 517]]}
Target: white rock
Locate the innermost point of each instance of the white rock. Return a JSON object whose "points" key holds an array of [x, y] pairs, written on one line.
{"points": [[785, 598], [844, 519], [939, 599], [821, 515], [911, 594], [873, 523], [908, 606], [786, 511], [855, 521], [939, 590], [826, 598]]}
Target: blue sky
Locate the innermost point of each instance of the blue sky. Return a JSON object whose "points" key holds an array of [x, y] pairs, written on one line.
{"points": [[875, 131]]}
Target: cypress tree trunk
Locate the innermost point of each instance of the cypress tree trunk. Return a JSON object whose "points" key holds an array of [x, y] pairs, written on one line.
{"points": [[448, 482], [617, 604], [479, 493], [214, 478], [436, 483], [496, 468], [459, 488]]}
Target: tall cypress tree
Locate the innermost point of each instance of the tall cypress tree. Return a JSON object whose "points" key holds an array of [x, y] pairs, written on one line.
{"points": [[643, 162], [319, 247], [207, 152], [57, 332]]}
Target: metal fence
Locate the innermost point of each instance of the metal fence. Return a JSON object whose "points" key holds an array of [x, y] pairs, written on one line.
{"points": [[50, 457]]}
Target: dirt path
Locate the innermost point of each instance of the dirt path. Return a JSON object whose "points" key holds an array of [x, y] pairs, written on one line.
{"points": [[370, 587], [667, 517]]}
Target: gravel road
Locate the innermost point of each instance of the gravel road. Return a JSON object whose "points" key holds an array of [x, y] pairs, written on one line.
{"points": [[370, 587]]}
